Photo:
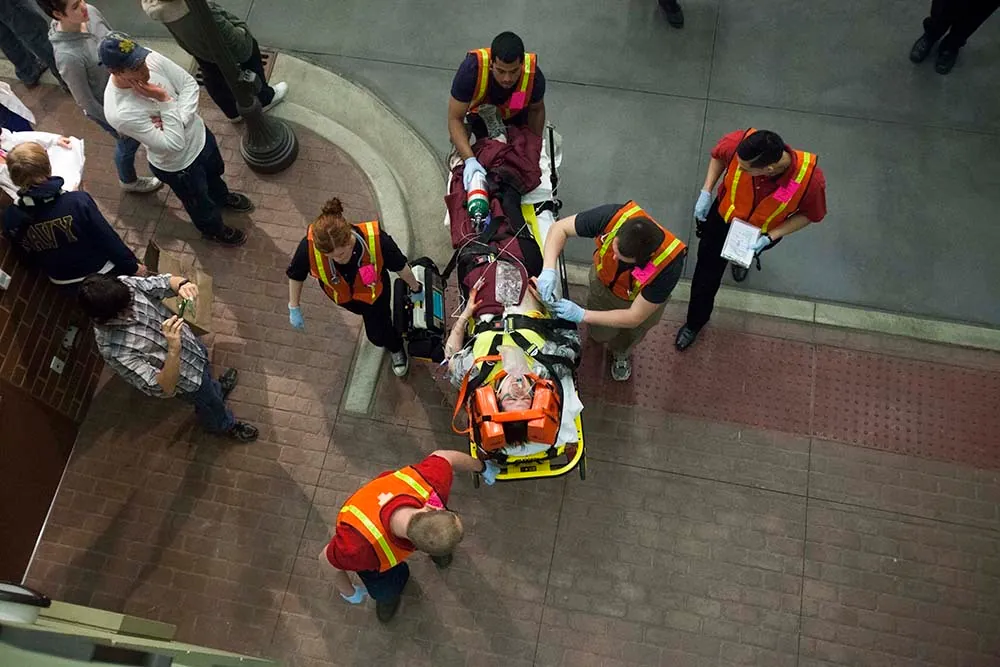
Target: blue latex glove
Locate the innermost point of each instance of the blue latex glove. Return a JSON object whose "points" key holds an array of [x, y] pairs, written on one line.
{"points": [[567, 310], [762, 243], [359, 595], [702, 205], [295, 317], [418, 296], [490, 473], [547, 285], [471, 167]]}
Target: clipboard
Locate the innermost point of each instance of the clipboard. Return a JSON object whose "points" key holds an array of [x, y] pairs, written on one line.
{"points": [[740, 243]]}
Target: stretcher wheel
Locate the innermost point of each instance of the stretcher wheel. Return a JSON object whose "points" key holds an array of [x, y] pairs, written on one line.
{"points": [[583, 467], [475, 480]]}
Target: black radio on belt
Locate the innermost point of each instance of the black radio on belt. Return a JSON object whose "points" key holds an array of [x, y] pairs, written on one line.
{"points": [[421, 324]]}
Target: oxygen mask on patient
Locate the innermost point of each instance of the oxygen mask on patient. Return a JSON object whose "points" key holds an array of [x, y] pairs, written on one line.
{"points": [[515, 390]]}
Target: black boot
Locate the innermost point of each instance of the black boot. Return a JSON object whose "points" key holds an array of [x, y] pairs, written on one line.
{"points": [[922, 48], [384, 611], [675, 15], [685, 337], [442, 561], [228, 381], [945, 60]]}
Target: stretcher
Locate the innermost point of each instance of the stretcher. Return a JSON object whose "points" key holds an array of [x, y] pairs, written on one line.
{"points": [[540, 209]]}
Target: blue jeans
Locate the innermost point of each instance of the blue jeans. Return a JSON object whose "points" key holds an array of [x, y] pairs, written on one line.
{"points": [[125, 151], [209, 405], [386, 586], [200, 187], [24, 39]]}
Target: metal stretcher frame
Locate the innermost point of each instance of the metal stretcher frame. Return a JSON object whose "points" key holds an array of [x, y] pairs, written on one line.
{"points": [[543, 464]]}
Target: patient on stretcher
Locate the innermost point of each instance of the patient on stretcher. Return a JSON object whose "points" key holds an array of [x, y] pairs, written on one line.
{"points": [[519, 360]]}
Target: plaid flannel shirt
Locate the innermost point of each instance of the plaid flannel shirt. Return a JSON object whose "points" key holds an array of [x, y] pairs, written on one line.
{"points": [[135, 347]]}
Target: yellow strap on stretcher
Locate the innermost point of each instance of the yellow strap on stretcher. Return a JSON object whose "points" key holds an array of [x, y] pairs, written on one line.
{"points": [[528, 211]]}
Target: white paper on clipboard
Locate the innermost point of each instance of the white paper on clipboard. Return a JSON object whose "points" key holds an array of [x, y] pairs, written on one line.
{"points": [[740, 242]]}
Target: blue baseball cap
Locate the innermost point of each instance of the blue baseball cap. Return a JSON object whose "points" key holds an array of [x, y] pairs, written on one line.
{"points": [[119, 51]]}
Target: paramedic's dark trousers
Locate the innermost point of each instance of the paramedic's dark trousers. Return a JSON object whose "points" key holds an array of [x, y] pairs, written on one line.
{"points": [[386, 586], [958, 18], [709, 269], [378, 319]]}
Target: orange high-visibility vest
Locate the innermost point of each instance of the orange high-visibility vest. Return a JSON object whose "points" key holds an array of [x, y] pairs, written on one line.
{"points": [[363, 511], [519, 99], [335, 287], [628, 284], [772, 211]]}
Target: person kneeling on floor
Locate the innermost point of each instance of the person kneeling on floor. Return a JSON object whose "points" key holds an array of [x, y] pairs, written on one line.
{"points": [[156, 351], [637, 264], [352, 264], [392, 517]]}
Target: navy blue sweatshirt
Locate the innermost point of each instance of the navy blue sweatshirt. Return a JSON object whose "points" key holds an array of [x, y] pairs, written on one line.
{"points": [[65, 233]]}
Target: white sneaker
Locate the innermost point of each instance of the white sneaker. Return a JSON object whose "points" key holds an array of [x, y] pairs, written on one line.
{"points": [[143, 184], [280, 91], [400, 363]]}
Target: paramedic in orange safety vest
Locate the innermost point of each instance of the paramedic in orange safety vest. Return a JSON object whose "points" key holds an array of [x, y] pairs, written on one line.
{"points": [[502, 76], [352, 264], [389, 519], [636, 266], [767, 184]]}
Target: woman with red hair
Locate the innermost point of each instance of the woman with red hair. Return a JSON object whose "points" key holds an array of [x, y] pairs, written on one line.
{"points": [[352, 264]]}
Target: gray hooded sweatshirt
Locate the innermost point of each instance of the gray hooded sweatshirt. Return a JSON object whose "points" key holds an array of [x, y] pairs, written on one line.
{"points": [[76, 58]]}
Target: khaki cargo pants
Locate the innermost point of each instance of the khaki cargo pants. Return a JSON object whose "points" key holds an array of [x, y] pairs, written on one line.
{"points": [[619, 341]]}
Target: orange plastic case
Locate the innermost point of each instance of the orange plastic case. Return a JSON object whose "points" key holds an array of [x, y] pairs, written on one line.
{"points": [[543, 417]]}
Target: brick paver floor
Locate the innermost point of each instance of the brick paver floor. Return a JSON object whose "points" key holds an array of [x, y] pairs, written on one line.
{"points": [[756, 529]]}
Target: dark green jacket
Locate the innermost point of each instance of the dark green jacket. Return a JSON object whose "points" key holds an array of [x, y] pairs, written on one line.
{"points": [[182, 24]]}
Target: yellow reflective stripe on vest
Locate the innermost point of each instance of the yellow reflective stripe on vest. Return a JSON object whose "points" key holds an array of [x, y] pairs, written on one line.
{"points": [[806, 157], [666, 252], [732, 194], [610, 236], [374, 531], [484, 77], [412, 483], [529, 65], [320, 266], [370, 233], [657, 261]]}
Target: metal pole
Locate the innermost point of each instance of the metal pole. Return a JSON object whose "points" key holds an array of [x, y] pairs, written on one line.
{"points": [[269, 145]]}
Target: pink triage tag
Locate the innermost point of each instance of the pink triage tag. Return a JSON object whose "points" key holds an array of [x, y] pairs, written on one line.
{"points": [[368, 275], [786, 191], [643, 274], [434, 501], [517, 100]]}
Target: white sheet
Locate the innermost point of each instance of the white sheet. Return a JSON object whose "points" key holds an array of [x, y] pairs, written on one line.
{"points": [[66, 162]]}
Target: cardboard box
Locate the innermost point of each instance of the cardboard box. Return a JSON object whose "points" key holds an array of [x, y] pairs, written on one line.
{"points": [[158, 261]]}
